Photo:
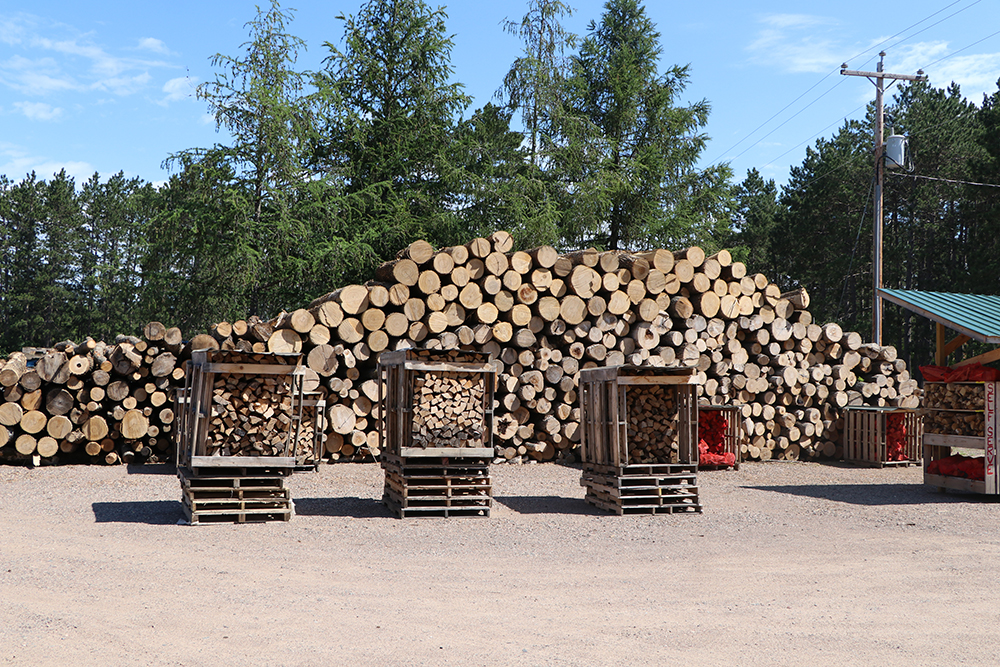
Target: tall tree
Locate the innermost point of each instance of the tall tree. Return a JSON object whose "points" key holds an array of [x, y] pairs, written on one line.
{"points": [[535, 81], [495, 186], [39, 231], [114, 231], [986, 169], [259, 99], [629, 150], [200, 266], [755, 218], [390, 111], [934, 235], [819, 241]]}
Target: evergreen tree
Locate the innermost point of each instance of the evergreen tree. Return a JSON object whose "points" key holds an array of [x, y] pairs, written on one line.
{"points": [[39, 230], [755, 218], [495, 185], [389, 112], [260, 99], [628, 152], [115, 229], [534, 84]]}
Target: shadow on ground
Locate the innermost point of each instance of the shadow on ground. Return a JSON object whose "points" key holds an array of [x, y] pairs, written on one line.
{"points": [[874, 495], [153, 512], [345, 506], [547, 505], [152, 469]]}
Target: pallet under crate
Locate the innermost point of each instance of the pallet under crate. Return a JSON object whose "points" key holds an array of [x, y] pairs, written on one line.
{"points": [[435, 486], [234, 495], [642, 489]]}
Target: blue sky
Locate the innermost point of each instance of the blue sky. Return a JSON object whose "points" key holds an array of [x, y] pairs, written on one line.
{"points": [[108, 86]]}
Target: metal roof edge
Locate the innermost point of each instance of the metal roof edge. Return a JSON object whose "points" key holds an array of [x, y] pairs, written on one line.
{"points": [[895, 296]]}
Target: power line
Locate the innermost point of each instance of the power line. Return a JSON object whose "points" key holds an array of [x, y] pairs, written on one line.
{"points": [[934, 24], [955, 53], [926, 18], [946, 180], [788, 120], [836, 122], [825, 77]]}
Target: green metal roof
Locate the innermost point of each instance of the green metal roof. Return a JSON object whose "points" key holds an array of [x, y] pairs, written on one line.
{"points": [[975, 315]]}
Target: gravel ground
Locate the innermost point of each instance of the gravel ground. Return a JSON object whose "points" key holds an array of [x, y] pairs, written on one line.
{"points": [[790, 563]]}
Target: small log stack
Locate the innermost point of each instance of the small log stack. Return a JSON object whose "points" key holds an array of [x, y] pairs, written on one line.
{"points": [[92, 401], [244, 410]]}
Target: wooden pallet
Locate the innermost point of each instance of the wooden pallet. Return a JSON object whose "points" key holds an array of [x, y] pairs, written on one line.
{"points": [[642, 489], [448, 487], [233, 498], [637, 469], [443, 508], [673, 508], [201, 517], [431, 486], [221, 483]]}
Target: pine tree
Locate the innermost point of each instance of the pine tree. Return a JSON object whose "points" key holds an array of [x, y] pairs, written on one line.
{"points": [[629, 151], [389, 111]]}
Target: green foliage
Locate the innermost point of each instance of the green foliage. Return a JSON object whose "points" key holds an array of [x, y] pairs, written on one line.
{"points": [[39, 233], [259, 100], [535, 81], [755, 216], [815, 241], [938, 235], [112, 279], [628, 151], [389, 112]]}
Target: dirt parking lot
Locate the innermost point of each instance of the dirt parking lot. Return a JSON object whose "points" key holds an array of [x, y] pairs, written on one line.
{"points": [[790, 564]]}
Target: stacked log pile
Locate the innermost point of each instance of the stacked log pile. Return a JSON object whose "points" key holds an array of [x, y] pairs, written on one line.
{"points": [[543, 316], [92, 401], [252, 415]]}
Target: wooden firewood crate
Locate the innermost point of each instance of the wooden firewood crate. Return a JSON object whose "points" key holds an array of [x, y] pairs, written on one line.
{"points": [[436, 403], [731, 437], [435, 432], [638, 439], [431, 486], [868, 431], [234, 495], [244, 410], [961, 415]]}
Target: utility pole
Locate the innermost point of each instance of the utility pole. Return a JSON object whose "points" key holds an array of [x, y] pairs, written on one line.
{"points": [[878, 78]]}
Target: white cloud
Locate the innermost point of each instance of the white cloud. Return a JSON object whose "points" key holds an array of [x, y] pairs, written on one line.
{"points": [[796, 20], [55, 58], [16, 163], [181, 88], [208, 119], [796, 43], [974, 73], [154, 45], [38, 110]]}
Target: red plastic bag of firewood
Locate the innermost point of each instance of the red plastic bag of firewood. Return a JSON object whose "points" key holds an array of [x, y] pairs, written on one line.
{"points": [[967, 373], [895, 437]]}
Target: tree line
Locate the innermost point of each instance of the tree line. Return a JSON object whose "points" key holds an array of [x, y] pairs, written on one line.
{"points": [[588, 143]]}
